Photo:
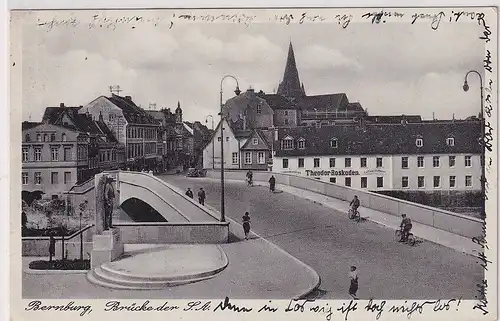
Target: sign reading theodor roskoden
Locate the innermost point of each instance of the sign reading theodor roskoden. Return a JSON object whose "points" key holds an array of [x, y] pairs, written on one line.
{"points": [[331, 172]]}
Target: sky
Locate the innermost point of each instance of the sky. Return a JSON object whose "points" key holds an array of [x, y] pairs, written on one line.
{"points": [[395, 68]]}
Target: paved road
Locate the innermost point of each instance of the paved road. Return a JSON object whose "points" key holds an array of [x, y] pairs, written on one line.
{"points": [[329, 242]]}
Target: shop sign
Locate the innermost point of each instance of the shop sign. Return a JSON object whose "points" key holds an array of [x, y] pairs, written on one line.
{"points": [[332, 172]]}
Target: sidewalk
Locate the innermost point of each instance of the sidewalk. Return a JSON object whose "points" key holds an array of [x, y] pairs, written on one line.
{"points": [[257, 270], [454, 241]]}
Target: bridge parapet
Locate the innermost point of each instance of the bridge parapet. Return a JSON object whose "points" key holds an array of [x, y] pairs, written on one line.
{"points": [[441, 219]]}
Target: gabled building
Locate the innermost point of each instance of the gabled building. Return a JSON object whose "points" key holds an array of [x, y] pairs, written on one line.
{"points": [[132, 126]]}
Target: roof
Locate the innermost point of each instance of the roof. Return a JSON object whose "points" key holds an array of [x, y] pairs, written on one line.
{"points": [[394, 119], [276, 101], [356, 106], [133, 113], [330, 101], [189, 128], [52, 114], [386, 139], [29, 124], [80, 122], [290, 85]]}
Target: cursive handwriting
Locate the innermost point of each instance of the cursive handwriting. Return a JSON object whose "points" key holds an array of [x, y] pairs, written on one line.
{"points": [[373, 307], [457, 15], [116, 306], [231, 307], [69, 307], [377, 16], [487, 61], [436, 18], [486, 28], [352, 306], [482, 305], [54, 22], [195, 306], [234, 18], [305, 17], [488, 137], [267, 308]]}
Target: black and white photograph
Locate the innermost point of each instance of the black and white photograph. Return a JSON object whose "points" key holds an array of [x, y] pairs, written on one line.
{"points": [[303, 163]]}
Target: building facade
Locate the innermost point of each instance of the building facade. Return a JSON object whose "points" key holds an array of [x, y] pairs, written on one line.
{"points": [[54, 158], [132, 126], [418, 157]]}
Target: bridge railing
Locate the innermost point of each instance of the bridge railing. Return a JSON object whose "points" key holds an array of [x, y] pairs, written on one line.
{"points": [[170, 196], [445, 220]]}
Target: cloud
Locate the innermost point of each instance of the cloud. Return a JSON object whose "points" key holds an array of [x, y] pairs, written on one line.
{"points": [[320, 57]]}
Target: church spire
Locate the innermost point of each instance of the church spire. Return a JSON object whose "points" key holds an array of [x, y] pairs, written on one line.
{"points": [[290, 86]]}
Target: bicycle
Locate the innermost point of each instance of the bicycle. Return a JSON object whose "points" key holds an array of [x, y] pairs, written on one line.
{"points": [[410, 240], [354, 215]]}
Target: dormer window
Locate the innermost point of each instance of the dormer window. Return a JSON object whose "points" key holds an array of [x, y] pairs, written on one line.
{"points": [[450, 141], [259, 109], [333, 143], [27, 138], [64, 138], [287, 143], [52, 137], [419, 142], [301, 144], [38, 137], [255, 141]]}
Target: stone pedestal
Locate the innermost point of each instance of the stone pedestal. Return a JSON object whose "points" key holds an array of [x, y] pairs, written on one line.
{"points": [[107, 247]]}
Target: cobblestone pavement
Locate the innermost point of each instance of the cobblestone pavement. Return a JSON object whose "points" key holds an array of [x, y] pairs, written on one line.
{"points": [[329, 242]]}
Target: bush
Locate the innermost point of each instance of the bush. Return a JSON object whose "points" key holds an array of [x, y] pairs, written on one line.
{"points": [[60, 265]]}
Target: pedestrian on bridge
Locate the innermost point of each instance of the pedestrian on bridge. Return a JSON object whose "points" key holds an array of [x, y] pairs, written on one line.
{"points": [[272, 183], [201, 196], [353, 277], [189, 193], [246, 224]]}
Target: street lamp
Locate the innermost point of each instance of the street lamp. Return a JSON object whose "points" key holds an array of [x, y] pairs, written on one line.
{"points": [[213, 143], [483, 151], [237, 92]]}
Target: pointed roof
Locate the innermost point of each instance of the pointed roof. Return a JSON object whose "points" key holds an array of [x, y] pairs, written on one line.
{"points": [[290, 86]]}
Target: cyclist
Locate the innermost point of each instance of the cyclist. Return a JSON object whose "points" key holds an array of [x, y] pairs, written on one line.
{"points": [[354, 205], [405, 228], [249, 177]]}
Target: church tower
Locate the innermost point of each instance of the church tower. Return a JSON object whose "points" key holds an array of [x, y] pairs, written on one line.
{"points": [[178, 113], [291, 87]]}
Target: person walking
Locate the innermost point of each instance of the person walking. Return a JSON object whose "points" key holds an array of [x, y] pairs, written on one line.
{"points": [[353, 277], [246, 224], [189, 193], [201, 196], [272, 183]]}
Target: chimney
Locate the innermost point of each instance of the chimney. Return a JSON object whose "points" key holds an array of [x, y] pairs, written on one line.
{"points": [[128, 98], [61, 105]]}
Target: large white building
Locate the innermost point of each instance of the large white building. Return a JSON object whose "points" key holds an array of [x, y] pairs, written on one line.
{"points": [[425, 156]]}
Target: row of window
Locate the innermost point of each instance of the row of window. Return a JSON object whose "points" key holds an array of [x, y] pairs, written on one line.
{"points": [[54, 154], [46, 137], [436, 162], [405, 182], [288, 143], [54, 178], [146, 133], [248, 160]]}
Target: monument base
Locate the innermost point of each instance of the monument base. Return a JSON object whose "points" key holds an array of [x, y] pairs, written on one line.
{"points": [[107, 247]]}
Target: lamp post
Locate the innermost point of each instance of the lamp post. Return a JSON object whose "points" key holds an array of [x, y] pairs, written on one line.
{"points": [[213, 142], [237, 92], [483, 147]]}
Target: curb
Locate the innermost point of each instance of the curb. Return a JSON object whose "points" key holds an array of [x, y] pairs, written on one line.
{"points": [[315, 275], [33, 271], [368, 218]]}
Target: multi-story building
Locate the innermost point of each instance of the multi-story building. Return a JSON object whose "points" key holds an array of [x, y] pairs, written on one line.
{"points": [[105, 152], [132, 126], [428, 156]]}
